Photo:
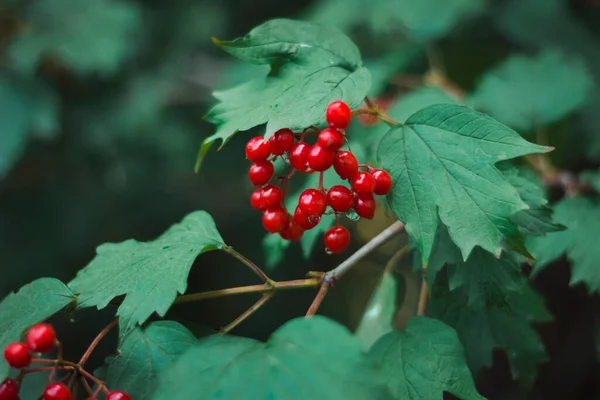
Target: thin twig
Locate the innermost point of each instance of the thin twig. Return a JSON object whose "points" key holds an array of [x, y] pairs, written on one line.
{"points": [[250, 264], [394, 259], [377, 113], [423, 296], [86, 385], [265, 297], [97, 340], [318, 300]]}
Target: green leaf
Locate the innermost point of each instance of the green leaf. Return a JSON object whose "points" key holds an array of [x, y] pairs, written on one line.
{"points": [[150, 274], [311, 66], [579, 241], [424, 361], [442, 163], [304, 359], [528, 92], [144, 355], [33, 303], [377, 319], [69, 30]]}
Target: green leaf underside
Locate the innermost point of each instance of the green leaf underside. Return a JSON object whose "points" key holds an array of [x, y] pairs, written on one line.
{"points": [[311, 66], [579, 241], [33, 303], [144, 355], [442, 163], [150, 274], [304, 359], [527, 92], [424, 361]]}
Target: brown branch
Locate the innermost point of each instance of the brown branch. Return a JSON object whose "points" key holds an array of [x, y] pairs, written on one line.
{"points": [[97, 340], [423, 297], [318, 300], [265, 297], [250, 264]]}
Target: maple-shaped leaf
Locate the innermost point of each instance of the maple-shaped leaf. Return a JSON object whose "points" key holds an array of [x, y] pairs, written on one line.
{"points": [[150, 274], [424, 361], [311, 66], [579, 241], [442, 162]]}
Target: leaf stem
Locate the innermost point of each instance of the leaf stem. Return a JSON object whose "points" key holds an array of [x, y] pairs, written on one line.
{"points": [[250, 264], [97, 340], [373, 109], [423, 296], [264, 298]]}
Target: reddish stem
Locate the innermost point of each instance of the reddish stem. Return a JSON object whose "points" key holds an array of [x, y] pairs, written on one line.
{"points": [[320, 187], [97, 340], [318, 300], [86, 385]]}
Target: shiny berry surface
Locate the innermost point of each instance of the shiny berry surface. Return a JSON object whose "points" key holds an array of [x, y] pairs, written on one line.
{"points": [[338, 115], [118, 395], [305, 222], [337, 239], [260, 172], [271, 196], [41, 338], [57, 391], [345, 164], [275, 220], [383, 182], [312, 202], [363, 182], [293, 231], [17, 355], [257, 149], [340, 198], [281, 142], [9, 389], [331, 139], [256, 200], [364, 205], [319, 159], [299, 156]]}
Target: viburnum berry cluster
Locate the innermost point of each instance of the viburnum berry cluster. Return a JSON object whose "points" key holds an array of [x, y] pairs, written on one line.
{"points": [[364, 180], [41, 338]]}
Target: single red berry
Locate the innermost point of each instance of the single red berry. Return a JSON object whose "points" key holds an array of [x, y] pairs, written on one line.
{"points": [[364, 205], [17, 355], [271, 196], [338, 115], [260, 172], [299, 156], [57, 391], [275, 220], [363, 182], [281, 142], [312, 202], [305, 222], [118, 395], [9, 389], [257, 149], [337, 239], [331, 139], [319, 159], [340, 198], [293, 231], [383, 182], [256, 200], [345, 164], [41, 338]]}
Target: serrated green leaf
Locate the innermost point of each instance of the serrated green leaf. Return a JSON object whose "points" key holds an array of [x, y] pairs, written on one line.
{"points": [[442, 162], [311, 66], [33, 303], [144, 355], [528, 92], [424, 361], [69, 30], [304, 359], [579, 241], [150, 274]]}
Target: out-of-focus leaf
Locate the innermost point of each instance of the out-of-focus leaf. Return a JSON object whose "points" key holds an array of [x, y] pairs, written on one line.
{"points": [[417, 100]]}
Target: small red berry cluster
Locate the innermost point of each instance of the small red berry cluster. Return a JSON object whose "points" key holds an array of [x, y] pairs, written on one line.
{"points": [[40, 338], [306, 158]]}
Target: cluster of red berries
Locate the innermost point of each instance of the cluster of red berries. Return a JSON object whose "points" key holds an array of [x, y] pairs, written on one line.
{"points": [[40, 338], [306, 158]]}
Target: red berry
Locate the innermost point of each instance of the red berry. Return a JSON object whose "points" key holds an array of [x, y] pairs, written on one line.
{"points": [[305, 222], [260, 172], [383, 182], [9, 389], [337, 239], [17, 355], [293, 231], [319, 159], [275, 220], [257, 149], [363, 182], [345, 164], [281, 142], [364, 205], [41, 338], [340, 198], [57, 391], [118, 395], [298, 156], [271, 196], [312, 202], [338, 115], [331, 139], [256, 200]]}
